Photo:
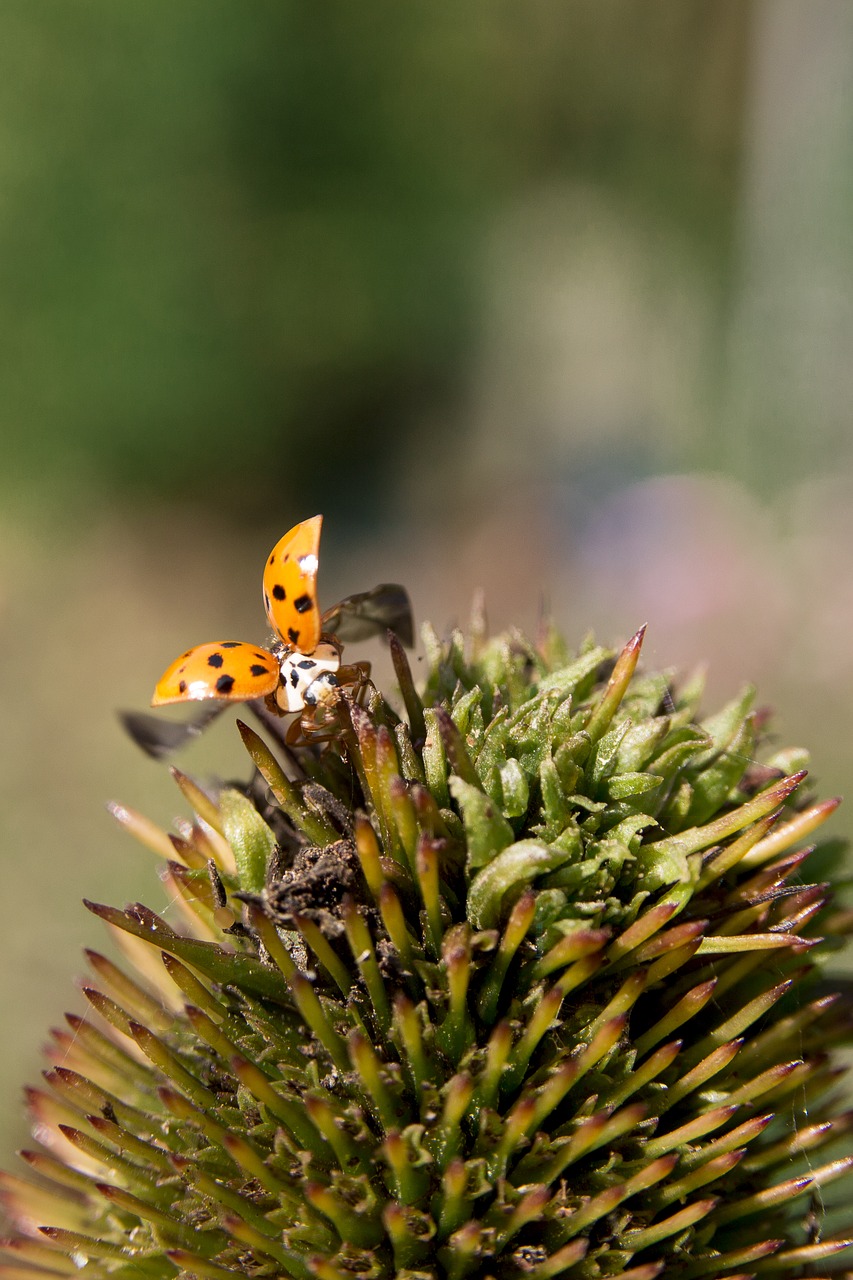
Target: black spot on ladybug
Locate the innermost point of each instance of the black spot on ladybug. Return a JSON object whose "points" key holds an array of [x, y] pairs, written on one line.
{"points": [[280, 593], [294, 679], [306, 664], [271, 559], [266, 602], [215, 660], [293, 635], [230, 644], [302, 603], [262, 656], [257, 670], [182, 686], [224, 684]]}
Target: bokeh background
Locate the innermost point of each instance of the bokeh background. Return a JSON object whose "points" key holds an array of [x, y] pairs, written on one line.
{"points": [[553, 300]]}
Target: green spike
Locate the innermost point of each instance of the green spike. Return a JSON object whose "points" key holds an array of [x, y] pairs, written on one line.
{"points": [[129, 1142], [761, 1201], [409, 1035], [428, 882], [409, 1182], [87, 1096], [710, 1171], [447, 1134], [166, 1061], [378, 1095], [454, 1201], [208, 957], [648, 1071], [563, 1260], [577, 945], [127, 992], [55, 1171], [288, 1112], [590, 1135], [362, 1229], [36, 1254], [797, 828], [411, 698], [116, 1165], [435, 759], [284, 790], [170, 1226], [686, 1008], [673, 1225], [617, 686], [694, 1129], [75, 1242], [649, 924], [710, 1066], [367, 847], [740, 1136], [599, 1206], [541, 1020], [394, 920], [334, 966], [517, 926], [101, 1049], [456, 1032], [410, 1233], [364, 954], [291, 1263], [198, 1265]]}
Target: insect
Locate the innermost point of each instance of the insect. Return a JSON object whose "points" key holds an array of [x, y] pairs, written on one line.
{"points": [[301, 671]]}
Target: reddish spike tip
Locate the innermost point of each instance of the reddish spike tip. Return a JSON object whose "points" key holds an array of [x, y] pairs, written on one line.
{"points": [[636, 641], [100, 909]]}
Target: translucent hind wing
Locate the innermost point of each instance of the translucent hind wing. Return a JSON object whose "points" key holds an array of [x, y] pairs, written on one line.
{"points": [[290, 586], [164, 738], [384, 608]]}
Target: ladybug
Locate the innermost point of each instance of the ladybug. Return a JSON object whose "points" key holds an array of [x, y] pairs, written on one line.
{"points": [[301, 671]]}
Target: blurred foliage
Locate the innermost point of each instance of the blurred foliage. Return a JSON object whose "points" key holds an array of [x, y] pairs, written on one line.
{"points": [[241, 242]]}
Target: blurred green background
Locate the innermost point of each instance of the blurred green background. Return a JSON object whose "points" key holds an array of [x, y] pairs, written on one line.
{"points": [[556, 300]]}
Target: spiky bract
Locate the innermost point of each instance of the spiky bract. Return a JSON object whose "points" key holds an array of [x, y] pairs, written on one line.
{"points": [[524, 984]]}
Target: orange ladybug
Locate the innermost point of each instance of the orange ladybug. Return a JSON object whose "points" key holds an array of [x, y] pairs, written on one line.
{"points": [[301, 671]]}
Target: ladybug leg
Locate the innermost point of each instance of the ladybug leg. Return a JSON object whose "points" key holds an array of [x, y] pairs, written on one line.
{"points": [[355, 678], [296, 735], [309, 731], [272, 705]]}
